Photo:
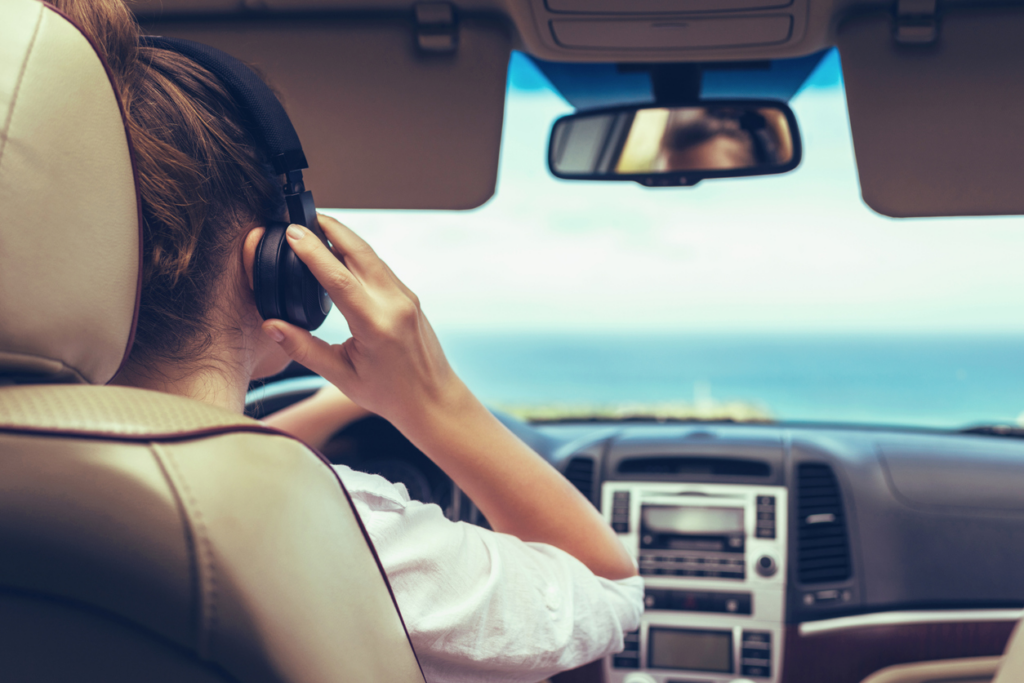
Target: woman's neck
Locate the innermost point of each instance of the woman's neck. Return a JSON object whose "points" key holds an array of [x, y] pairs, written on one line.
{"points": [[219, 384], [221, 376]]}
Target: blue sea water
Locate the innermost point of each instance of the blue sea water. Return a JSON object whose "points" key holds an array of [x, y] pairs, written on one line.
{"points": [[944, 381]]}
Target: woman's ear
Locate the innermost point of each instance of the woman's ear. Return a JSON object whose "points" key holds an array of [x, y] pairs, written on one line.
{"points": [[252, 240]]}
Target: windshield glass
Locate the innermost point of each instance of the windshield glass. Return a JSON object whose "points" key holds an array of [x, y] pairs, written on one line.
{"points": [[776, 298]]}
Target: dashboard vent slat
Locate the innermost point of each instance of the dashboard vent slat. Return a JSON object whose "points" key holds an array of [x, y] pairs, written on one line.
{"points": [[580, 473], [823, 554], [695, 465]]}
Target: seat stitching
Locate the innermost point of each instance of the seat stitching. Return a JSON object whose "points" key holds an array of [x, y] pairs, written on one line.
{"points": [[204, 555], [190, 540], [5, 131]]}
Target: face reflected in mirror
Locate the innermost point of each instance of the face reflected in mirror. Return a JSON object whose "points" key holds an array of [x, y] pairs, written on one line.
{"points": [[720, 139]]}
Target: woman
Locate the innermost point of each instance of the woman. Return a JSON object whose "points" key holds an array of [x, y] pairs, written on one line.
{"points": [[551, 587]]}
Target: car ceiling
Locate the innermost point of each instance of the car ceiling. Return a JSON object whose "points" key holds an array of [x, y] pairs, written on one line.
{"points": [[405, 106]]}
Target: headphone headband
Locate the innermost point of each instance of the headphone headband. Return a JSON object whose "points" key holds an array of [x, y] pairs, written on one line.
{"points": [[282, 284], [268, 119]]}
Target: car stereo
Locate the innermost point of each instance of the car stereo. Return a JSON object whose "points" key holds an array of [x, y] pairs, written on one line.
{"points": [[712, 557]]}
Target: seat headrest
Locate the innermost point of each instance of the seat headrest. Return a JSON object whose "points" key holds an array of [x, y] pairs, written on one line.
{"points": [[70, 244]]}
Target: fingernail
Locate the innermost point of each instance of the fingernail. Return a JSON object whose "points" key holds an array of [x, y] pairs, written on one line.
{"points": [[295, 232], [274, 333]]}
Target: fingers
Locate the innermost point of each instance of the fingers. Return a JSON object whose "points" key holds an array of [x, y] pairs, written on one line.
{"points": [[341, 235], [341, 284], [359, 256], [312, 352]]}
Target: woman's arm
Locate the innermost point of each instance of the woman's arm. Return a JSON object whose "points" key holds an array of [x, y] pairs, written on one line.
{"points": [[317, 418], [393, 365]]}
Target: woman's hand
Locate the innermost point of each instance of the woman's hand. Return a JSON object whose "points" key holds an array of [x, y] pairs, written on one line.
{"points": [[393, 364]]}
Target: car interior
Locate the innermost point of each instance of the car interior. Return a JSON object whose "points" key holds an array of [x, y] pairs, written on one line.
{"points": [[146, 537]]}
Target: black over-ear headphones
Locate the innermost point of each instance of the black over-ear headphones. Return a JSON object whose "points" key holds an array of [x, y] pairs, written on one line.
{"points": [[283, 285]]}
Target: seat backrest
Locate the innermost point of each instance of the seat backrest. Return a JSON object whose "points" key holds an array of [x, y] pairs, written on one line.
{"points": [[143, 536], [150, 537]]}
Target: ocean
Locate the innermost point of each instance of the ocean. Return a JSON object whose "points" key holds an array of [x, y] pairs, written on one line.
{"points": [[943, 381]]}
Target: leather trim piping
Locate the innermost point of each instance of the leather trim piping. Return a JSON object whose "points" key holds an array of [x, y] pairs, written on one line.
{"points": [[135, 177], [146, 437], [233, 429]]}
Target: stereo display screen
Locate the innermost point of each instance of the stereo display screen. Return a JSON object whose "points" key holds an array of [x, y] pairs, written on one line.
{"points": [[686, 527], [670, 648], [696, 521]]}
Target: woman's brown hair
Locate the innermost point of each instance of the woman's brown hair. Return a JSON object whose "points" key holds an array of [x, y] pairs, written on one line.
{"points": [[202, 180]]}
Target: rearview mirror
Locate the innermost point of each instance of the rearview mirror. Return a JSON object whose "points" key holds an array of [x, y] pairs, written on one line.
{"points": [[673, 146]]}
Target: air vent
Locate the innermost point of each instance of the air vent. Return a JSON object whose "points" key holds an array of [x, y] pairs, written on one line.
{"points": [[717, 467], [824, 549], [580, 473]]}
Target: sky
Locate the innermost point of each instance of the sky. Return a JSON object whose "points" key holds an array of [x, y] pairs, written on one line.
{"points": [[799, 252]]}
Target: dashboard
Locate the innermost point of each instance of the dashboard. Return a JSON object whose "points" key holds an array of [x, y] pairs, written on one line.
{"points": [[777, 554]]}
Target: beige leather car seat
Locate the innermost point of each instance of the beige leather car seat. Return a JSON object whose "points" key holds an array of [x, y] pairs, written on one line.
{"points": [[143, 536]]}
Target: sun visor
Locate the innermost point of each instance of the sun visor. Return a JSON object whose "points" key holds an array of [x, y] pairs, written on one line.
{"points": [[384, 124], [937, 128]]}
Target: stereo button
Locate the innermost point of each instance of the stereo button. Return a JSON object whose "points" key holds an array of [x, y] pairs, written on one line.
{"points": [[766, 566], [761, 671], [620, 512], [622, 662]]}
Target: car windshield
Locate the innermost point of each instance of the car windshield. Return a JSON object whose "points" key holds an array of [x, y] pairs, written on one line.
{"points": [[781, 298]]}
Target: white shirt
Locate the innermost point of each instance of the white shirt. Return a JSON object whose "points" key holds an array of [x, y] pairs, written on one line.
{"points": [[485, 606]]}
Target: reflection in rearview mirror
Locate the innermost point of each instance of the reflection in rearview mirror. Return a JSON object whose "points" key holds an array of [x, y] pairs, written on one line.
{"points": [[676, 145]]}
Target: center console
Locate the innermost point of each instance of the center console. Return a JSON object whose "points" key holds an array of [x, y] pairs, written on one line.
{"points": [[713, 558]]}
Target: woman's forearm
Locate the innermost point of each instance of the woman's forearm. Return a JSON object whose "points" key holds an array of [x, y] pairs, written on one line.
{"points": [[518, 491]]}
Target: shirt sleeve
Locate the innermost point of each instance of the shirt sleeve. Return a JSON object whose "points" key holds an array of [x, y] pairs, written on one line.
{"points": [[481, 605]]}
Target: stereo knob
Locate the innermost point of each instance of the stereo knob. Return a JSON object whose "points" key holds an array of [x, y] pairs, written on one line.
{"points": [[765, 566]]}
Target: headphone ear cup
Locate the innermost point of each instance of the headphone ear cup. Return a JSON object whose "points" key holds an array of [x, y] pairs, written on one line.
{"points": [[306, 303], [283, 286], [266, 272]]}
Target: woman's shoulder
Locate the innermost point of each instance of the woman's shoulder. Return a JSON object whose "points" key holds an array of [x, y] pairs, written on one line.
{"points": [[373, 490]]}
